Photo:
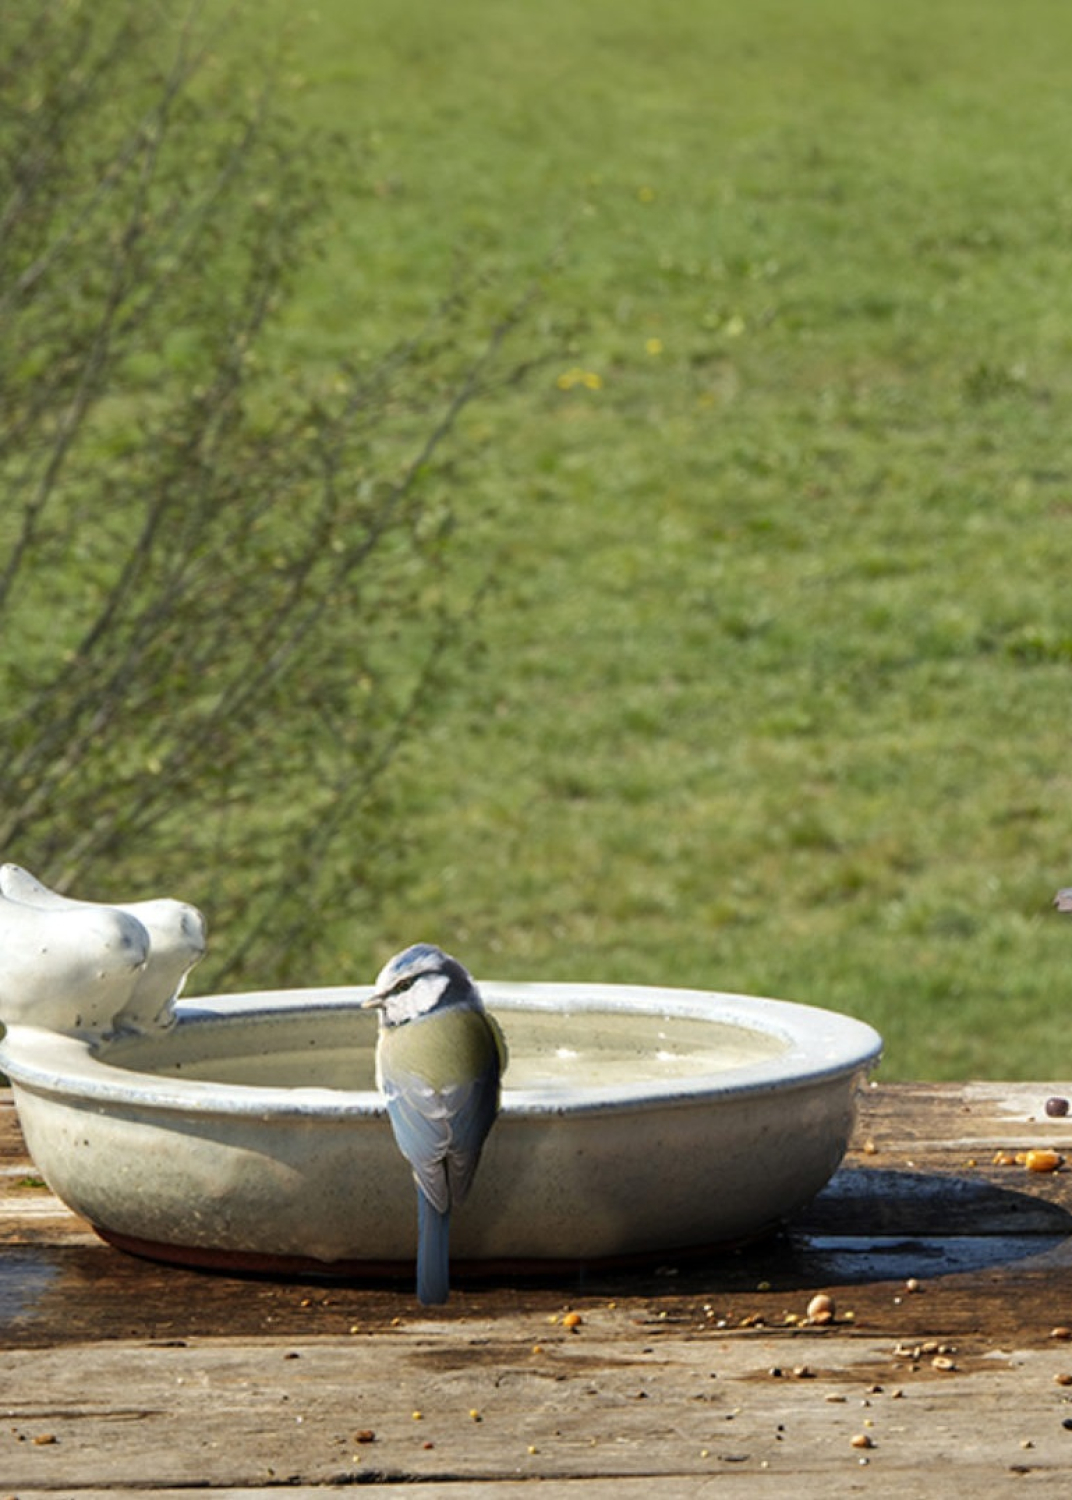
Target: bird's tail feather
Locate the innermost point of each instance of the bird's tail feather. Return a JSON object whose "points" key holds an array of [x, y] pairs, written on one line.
{"points": [[433, 1253]]}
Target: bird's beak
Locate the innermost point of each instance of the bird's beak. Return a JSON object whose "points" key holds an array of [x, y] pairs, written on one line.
{"points": [[374, 1002]]}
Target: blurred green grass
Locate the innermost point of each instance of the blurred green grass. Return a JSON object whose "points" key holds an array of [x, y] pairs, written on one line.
{"points": [[773, 687]]}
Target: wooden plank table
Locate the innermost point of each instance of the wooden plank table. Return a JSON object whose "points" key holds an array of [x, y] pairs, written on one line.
{"points": [[946, 1362]]}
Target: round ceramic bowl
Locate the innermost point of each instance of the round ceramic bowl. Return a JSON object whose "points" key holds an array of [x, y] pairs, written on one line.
{"points": [[634, 1122]]}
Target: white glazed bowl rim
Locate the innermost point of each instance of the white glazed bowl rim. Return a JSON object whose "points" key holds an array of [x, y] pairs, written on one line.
{"points": [[818, 1045]]}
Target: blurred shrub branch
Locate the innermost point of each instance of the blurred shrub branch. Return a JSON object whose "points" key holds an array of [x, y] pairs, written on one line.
{"points": [[222, 587]]}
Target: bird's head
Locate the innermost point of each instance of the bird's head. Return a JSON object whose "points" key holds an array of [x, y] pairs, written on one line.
{"points": [[416, 981]]}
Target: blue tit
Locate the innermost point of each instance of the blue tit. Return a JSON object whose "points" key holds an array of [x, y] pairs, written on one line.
{"points": [[439, 1061]]}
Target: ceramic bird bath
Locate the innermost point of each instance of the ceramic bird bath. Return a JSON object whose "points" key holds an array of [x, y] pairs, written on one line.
{"points": [[245, 1131]]}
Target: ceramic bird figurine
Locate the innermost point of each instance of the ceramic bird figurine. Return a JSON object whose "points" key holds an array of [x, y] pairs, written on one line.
{"points": [[68, 971], [439, 1061], [172, 934]]}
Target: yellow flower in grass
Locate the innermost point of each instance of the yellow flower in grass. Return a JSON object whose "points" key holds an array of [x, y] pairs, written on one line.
{"points": [[588, 378]]}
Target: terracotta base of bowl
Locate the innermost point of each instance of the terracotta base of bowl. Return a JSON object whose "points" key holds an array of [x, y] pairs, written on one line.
{"points": [[293, 1267]]}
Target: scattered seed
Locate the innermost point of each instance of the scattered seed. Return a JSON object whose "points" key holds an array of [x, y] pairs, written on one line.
{"points": [[835, 1399], [44, 1439], [1062, 1378], [474, 1415], [418, 1415], [820, 1303], [912, 1285], [870, 1149], [366, 1435], [862, 1440], [1043, 1160], [572, 1320], [1056, 1106], [1004, 1159], [428, 1446], [1061, 1332], [943, 1362]]}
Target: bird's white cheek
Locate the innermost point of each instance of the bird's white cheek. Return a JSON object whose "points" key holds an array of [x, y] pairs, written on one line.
{"points": [[418, 1000]]}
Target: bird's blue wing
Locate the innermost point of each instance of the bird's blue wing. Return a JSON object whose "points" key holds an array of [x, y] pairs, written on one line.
{"points": [[422, 1131], [441, 1133], [471, 1120]]}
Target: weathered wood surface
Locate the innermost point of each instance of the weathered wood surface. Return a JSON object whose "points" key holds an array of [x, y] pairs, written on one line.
{"points": [[120, 1377]]}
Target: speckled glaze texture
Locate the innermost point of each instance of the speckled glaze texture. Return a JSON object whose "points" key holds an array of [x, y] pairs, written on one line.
{"points": [[634, 1121]]}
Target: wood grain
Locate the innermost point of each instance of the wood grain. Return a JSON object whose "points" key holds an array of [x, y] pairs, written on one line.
{"points": [[120, 1376]]}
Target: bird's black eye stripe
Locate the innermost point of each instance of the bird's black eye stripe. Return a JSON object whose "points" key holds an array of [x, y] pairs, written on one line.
{"points": [[402, 985]]}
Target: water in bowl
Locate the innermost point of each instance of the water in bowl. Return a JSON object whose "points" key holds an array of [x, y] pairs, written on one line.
{"points": [[548, 1050]]}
